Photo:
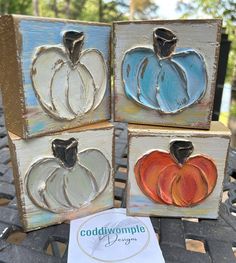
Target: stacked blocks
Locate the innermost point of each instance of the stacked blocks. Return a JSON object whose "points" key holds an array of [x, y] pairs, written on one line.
{"points": [[165, 74], [55, 80], [55, 76]]}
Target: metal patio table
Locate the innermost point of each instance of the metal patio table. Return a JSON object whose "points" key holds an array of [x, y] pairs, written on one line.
{"points": [[218, 237]]}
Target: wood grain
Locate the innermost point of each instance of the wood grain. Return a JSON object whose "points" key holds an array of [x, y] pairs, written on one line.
{"points": [[212, 144]]}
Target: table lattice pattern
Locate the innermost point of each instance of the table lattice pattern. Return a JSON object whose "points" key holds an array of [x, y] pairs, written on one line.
{"points": [[181, 240]]}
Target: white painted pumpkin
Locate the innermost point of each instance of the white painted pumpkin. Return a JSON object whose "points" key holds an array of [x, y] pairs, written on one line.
{"points": [[69, 82], [68, 180]]}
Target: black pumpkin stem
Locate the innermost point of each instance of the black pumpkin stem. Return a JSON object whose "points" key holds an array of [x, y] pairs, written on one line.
{"points": [[66, 151], [73, 42], [181, 150], [164, 42]]}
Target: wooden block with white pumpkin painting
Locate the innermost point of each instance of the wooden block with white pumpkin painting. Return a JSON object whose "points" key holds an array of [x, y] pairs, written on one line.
{"points": [[54, 74], [165, 71], [176, 172], [63, 176]]}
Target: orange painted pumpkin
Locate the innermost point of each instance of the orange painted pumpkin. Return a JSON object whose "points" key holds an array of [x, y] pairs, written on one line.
{"points": [[175, 178]]}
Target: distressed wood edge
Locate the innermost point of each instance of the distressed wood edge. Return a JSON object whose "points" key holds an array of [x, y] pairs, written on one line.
{"points": [[205, 125], [217, 130], [20, 193], [109, 72], [159, 124], [10, 77], [52, 131], [29, 229], [215, 69], [93, 127], [51, 19], [130, 213], [225, 171], [25, 133], [114, 41], [113, 163], [162, 21], [85, 127], [18, 183], [128, 175], [132, 134]]}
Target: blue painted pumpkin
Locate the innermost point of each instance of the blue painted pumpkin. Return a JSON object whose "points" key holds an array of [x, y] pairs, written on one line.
{"points": [[162, 79]]}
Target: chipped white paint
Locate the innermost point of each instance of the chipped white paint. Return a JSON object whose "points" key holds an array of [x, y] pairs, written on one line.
{"points": [[64, 90], [200, 35], [54, 193], [55, 188]]}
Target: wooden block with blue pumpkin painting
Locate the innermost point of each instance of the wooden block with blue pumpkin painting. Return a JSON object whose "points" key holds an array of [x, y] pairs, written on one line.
{"points": [[63, 176], [54, 74], [165, 71]]}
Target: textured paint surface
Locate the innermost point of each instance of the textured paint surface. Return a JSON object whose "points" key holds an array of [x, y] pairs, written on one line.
{"points": [[67, 90], [167, 85], [36, 33], [191, 36], [208, 145], [166, 181], [53, 187], [89, 162]]}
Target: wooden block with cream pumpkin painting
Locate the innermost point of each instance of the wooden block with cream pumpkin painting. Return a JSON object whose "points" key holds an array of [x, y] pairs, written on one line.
{"points": [[176, 172], [54, 74], [165, 71], [63, 176]]}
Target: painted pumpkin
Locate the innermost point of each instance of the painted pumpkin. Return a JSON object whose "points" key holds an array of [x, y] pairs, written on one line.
{"points": [[69, 82], [69, 180], [162, 79], [175, 178]]}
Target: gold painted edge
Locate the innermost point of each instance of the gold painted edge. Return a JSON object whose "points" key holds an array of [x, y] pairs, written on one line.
{"points": [[12, 87], [18, 186]]}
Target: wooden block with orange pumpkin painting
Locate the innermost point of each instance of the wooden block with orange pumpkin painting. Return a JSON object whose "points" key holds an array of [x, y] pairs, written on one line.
{"points": [[176, 172]]}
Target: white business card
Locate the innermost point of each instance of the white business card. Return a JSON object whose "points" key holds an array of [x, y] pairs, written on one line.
{"points": [[111, 236]]}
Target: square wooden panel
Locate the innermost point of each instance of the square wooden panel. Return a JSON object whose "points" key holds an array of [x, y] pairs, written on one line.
{"points": [[176, 172], [63, 176], [165, 71], [54, 74]]}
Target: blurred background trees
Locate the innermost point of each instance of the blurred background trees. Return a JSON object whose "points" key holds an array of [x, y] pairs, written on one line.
{"points": [[225, 9], [116, 10]]}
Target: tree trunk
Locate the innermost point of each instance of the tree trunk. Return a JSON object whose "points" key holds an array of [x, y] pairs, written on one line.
{"points": [[67, 8], [36, 7], [55, 9], [100, 11], [131, 10]]}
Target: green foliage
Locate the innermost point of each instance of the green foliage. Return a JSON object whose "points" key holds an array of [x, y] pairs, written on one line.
{"points": [[233, 109], [15, 7], [224, 9], [144, 9], [86, 10]]}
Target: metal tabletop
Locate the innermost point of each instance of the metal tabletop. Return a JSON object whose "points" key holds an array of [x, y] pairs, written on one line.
{"points": [[181, 240]]}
